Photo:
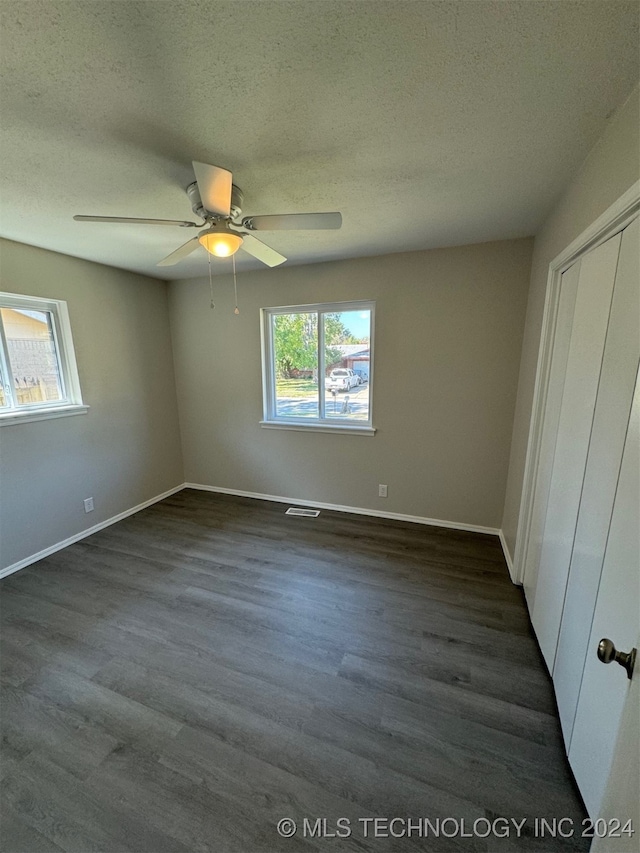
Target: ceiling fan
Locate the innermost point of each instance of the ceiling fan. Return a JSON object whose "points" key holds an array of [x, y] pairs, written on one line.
{"points": [[218, 201]]}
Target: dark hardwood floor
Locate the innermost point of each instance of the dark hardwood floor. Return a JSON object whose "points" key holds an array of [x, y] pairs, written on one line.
{"points": [[184, 679]]}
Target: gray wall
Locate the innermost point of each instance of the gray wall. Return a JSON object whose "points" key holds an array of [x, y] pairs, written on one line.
{"points": [[610, 169], [448, 338], [126, 449]]}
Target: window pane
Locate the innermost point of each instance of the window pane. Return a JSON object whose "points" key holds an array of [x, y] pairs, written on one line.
{"points": [[295, 352], [347, 337], [3, 397], [32, 355]]}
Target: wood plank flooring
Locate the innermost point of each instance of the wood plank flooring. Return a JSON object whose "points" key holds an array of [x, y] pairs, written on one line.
{"points": [[184, 679]]}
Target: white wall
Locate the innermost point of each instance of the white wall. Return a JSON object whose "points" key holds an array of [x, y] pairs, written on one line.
{"points": [[126, 449], [448, 337], [610, 169]]}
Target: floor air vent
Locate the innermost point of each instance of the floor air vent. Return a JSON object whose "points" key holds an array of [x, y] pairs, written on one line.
{"points": [[307, 513]]}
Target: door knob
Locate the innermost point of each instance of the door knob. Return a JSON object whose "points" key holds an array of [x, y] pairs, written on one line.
{"points": [[608, 652]]}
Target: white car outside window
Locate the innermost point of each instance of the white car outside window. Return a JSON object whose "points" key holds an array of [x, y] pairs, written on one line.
{"points": [[342, 379]]}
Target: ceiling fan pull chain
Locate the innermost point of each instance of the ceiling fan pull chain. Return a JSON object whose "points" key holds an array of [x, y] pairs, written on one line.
{"points": [[213, 305], [236, 310]]}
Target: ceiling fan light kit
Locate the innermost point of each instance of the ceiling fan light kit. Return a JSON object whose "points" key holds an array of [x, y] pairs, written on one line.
{"points": [[220, 241]]}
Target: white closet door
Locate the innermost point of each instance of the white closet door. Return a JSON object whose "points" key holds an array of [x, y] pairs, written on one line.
{"points": [[606, 688], [563, 324], [613, 405], [590, 321]]}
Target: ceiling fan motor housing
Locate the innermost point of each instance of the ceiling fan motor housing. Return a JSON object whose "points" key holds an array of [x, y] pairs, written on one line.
{"points": [[197, 207], [237, 199]]}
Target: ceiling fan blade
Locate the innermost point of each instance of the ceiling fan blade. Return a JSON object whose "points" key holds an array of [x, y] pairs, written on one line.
{"points": [[214, 186], [261, 251], [128, 219], [180, 253], [293, 221]]}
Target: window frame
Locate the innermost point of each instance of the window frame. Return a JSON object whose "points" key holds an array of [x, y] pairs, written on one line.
{"points": [[71, 402], [334, 424]]}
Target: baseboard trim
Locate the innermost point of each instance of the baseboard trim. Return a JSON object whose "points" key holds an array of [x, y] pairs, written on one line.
{"points": [[374, 513], [394, 516], [508, 559], [27, 561]]}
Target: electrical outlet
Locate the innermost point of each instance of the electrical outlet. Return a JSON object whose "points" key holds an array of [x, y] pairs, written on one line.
{"points": [[382, 491], [88, 505]]}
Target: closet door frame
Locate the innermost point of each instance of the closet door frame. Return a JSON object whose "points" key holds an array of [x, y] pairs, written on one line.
{"points": [[536, 481]]}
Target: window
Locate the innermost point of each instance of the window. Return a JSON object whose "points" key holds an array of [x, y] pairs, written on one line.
{"points": [[38, 374], [318, 366]]}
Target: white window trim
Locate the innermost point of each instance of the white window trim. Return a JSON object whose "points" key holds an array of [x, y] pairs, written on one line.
{"points": [[318, 427], [72, 403], [319, 424]]}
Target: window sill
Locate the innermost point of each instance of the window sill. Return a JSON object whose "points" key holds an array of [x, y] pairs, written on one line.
{"points": [[315, 427], [25, 417]]}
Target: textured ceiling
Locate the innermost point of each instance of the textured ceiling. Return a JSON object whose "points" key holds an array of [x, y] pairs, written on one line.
{"points": [[426, 123]]}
